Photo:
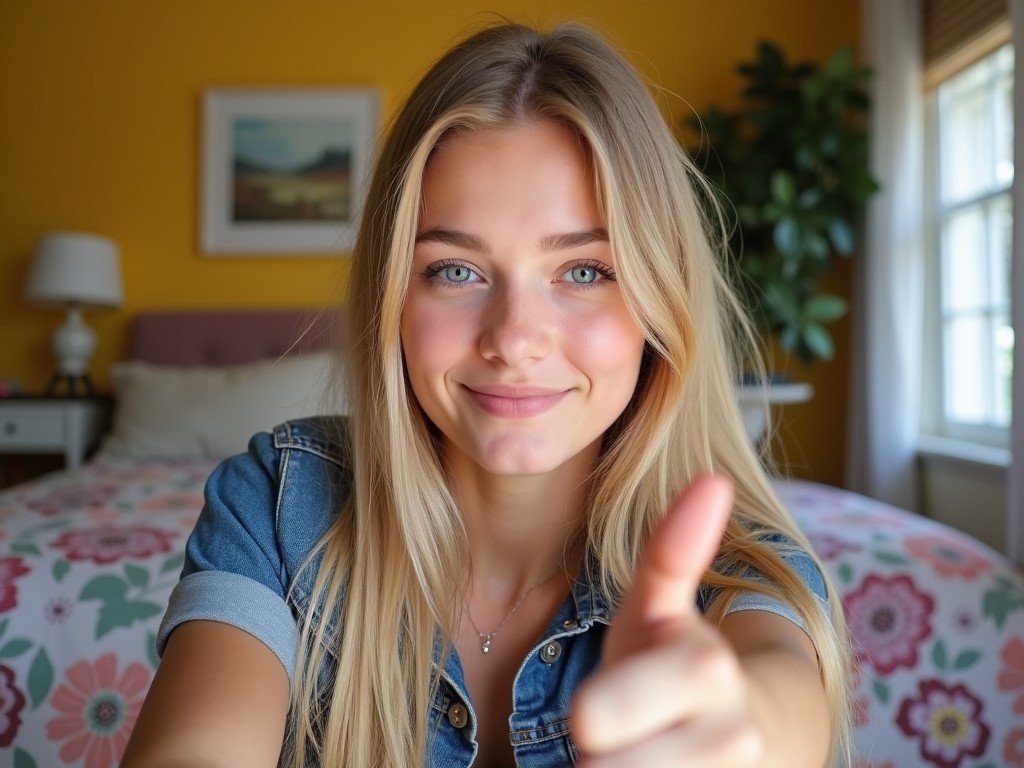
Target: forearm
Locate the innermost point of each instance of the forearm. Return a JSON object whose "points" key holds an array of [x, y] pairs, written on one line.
{"points": [[789, 707]]}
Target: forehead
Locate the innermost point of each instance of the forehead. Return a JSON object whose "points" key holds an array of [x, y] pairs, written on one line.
{"points": [[524, 166]]}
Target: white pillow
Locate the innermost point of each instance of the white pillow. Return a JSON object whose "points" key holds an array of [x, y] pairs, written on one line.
{"points": [[199, 412]]}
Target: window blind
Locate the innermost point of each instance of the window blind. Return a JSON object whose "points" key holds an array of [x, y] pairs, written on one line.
{"points": [[959, 32]]}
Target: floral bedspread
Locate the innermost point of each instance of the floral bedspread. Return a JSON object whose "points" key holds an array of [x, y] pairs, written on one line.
{"points": [[938, 625], [87, 562], [88, 559]]}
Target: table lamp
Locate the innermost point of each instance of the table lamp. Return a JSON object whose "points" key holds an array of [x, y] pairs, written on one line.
{"points": [[74, 270]]}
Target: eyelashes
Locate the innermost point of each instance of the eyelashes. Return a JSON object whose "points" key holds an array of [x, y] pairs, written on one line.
{"points": [[580, 275]]}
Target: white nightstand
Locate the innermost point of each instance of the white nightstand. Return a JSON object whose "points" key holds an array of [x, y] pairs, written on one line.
{"points": [[66, 426]]}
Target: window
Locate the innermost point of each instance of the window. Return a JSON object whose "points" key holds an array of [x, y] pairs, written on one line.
{"points": [[972, 345]]}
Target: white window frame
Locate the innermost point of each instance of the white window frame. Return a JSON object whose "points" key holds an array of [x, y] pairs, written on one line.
{"points": [[934, 421]]}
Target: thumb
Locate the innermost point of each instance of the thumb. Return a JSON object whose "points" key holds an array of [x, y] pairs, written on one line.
{"points": [[677, 555]]}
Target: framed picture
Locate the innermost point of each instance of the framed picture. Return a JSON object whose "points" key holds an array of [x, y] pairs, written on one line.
{"points": [[284, 171]]}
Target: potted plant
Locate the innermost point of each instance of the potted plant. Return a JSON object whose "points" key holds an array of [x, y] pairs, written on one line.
{"points": [[791, 164]]}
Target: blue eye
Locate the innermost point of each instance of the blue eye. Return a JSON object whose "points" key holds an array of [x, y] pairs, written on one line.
{"points": [[588, 273], [450, 273], [456, 273], [583, 274]]}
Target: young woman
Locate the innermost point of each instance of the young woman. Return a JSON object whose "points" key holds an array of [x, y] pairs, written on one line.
{"points": [[542, 536]]}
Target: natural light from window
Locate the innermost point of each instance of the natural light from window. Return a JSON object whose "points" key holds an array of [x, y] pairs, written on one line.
{"points": [[975, 173]]}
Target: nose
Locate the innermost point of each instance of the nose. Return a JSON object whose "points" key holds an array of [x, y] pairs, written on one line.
{"points": [[517, 327]]}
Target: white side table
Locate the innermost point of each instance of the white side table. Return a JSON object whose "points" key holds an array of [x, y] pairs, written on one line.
{"points": [[755, 401], [65, 426]]}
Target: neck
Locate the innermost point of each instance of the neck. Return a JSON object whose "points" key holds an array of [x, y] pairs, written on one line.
{"points": [[521, 528]]}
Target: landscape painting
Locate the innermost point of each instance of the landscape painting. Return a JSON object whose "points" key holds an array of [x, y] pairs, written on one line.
{"points": [[284, 171], [292, 169]]}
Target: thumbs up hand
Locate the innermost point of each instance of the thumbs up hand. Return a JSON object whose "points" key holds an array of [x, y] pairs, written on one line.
{"points": [[670, 690]]}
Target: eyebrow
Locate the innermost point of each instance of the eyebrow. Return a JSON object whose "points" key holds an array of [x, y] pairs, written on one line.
{"points": [[466, 241]]}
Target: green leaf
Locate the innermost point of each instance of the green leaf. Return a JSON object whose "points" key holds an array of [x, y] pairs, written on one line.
{"points": [[824, 308], [789, 337], [1000, 602], [841, 235], [60, 570], [810, 198], [26, 548], [13, 648], [783, 188], [845, 572], [818, 340], [116, 614], [136, 575], [939, 655], [151, 654], [786, 236], [881, 691], [966, 659], [23, 759], [818, 247], [40, 678], [3, 627], [105, 587], [173, 563], [891, 558]]}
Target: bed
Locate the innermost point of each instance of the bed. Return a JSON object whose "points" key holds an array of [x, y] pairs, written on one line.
{"points": [[88, 559]]}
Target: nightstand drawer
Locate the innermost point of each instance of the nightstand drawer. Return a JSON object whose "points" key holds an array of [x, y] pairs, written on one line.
{"points": [[31, 428]]}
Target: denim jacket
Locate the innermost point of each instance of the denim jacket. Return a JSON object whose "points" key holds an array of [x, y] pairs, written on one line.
{"points": [[264, 512]]}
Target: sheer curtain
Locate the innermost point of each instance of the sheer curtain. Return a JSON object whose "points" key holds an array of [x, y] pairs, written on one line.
{"points": [[1015, 492], [888, 291]]}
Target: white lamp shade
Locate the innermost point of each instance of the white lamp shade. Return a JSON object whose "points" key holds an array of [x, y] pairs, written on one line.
{"points": [[75, 267]]}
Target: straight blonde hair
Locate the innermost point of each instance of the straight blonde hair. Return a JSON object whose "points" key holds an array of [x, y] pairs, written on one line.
{"points": [[400, 537]]}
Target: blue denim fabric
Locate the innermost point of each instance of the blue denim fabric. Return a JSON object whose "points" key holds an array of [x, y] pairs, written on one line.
{"points": [[267, 508]]}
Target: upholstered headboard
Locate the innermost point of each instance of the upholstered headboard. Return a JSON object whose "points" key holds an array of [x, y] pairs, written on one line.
{"points": [[229, 337]]}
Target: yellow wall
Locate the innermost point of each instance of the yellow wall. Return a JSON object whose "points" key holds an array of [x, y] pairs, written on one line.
{"points": [[99, 125]]}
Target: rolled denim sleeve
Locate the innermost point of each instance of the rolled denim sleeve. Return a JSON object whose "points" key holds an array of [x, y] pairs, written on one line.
{"points": [[806, 569], [234, 572], [799, 561]]}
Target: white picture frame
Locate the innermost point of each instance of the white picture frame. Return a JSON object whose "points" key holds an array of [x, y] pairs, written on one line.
{"points": [[284, 171]]}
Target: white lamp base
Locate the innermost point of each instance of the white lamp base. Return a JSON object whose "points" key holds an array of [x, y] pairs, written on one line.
{"points": [[73, 344]]}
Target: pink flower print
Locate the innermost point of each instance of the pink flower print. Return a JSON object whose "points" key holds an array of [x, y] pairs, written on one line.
{"points": [[96, 710], [67, 498], [889, 619], [1011, 675], [829, 546], [12, 701], [948, 556], [108, 543], [947, 722], [1013, 748], [11, 568]]}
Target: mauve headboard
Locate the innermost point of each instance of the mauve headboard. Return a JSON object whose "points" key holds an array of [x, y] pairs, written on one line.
{"points": [[230, 336]]}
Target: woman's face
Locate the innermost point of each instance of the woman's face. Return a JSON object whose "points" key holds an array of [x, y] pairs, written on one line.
{"points": [[518, 343]]}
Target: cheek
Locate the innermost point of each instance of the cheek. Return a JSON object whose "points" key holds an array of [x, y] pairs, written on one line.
{"points": [[431, 338], [607, 342]]}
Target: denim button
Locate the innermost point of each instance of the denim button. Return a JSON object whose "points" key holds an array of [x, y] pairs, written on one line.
{"points": [[458, 716], [550, 652], [570, 624]]}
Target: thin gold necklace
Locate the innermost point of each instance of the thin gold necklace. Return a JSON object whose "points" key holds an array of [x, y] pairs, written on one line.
{"points": [[487, 637]]}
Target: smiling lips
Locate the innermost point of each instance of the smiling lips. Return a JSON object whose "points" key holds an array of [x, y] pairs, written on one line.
{"points": [[514, 402]]}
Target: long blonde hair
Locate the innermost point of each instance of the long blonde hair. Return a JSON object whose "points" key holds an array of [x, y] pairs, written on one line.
{"points": [[385, 569]]}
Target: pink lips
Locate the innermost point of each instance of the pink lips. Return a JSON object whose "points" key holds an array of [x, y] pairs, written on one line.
{"points": [[514, 402]]}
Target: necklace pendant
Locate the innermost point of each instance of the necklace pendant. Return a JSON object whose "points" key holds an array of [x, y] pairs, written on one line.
{"points": [[486, 647]]}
